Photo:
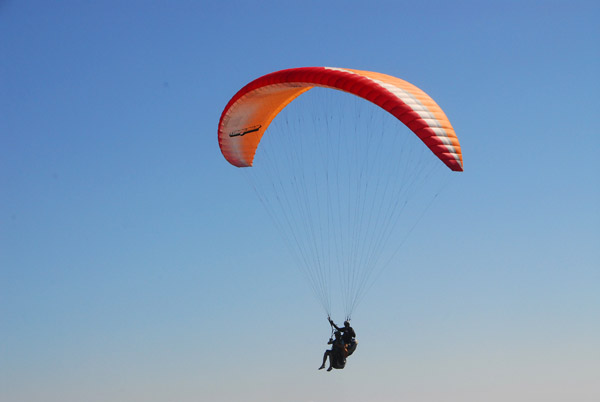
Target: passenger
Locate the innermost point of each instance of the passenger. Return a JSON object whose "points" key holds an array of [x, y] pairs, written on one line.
{"points": [[337, 354]]}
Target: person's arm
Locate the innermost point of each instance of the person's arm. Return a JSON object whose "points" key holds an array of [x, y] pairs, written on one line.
{"points": [[333, 324]]}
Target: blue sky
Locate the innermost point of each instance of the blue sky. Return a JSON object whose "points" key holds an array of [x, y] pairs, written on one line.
{"points": [[137, 265]]}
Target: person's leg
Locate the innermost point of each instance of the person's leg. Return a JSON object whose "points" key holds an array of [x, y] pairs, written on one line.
{"points": [[324, 359], [352, 347]]}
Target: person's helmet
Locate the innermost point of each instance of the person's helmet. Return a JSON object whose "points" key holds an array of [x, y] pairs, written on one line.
{"points": [[346, 323]]}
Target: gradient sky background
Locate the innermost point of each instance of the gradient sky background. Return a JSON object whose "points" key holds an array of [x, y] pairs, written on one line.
{"points": [[137, 265]]}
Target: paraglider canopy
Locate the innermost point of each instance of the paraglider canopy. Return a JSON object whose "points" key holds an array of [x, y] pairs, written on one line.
{"points": [[253, 108]]}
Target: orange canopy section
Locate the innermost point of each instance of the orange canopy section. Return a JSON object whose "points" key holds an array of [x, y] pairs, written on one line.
{"points": [[249, 113]]}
